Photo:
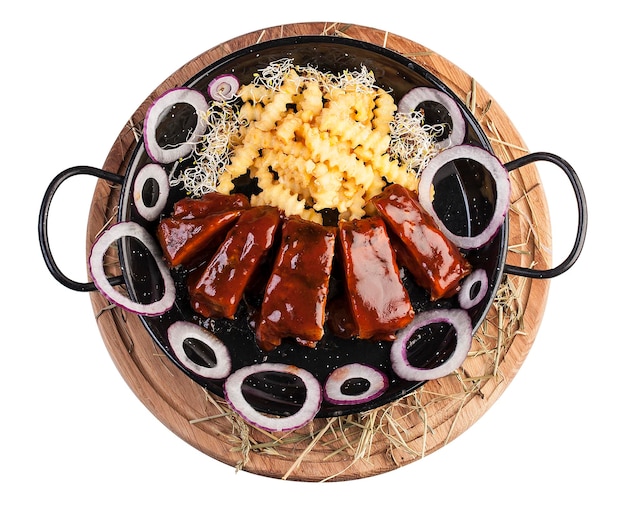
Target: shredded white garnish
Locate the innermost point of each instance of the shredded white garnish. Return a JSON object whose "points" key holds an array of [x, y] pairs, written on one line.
{"points": [[362, 80], [413, 142], [212, 152], [272, 76]]}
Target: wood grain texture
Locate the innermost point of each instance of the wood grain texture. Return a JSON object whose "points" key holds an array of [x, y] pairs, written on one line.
{"points": [[430, 418]]}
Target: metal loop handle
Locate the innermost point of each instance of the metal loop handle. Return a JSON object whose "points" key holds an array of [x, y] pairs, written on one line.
{"points": [[582, 216], [510, 269], [43, 225]]}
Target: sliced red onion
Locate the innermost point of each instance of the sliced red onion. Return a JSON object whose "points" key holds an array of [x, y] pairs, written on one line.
{"points": [[409, 102], [461, 322], [182, 331], [156, 114], [468, 296], [234, 396], [96, 268], [154, 172], [377, 380], [223, 87], [502, 188]]}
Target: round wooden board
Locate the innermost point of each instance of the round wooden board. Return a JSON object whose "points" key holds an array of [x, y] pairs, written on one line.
{"points": [[375, 442]]}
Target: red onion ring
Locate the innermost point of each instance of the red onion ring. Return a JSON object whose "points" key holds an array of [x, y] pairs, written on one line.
{"points": [[180, 331], [377, 380], [466, 300], [503, 190], [223, 87], [409, 102], [156, 173], [96, 269], [159, 110], [234, 396], [461, 322]]}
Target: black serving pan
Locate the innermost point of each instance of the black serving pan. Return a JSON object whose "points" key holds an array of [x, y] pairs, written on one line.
{"points": [[460, 201]]}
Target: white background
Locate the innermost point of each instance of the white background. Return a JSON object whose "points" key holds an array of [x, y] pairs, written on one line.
{"points": [[71, 431]]}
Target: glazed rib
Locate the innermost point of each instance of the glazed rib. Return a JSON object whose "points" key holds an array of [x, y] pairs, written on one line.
{"points": [[190, 208], [378, 300], [219, 289], [295, 298], [186, 241], [434, 262]]}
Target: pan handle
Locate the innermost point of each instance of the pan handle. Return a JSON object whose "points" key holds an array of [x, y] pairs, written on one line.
{"points": [[43, 224], [582, 216]]}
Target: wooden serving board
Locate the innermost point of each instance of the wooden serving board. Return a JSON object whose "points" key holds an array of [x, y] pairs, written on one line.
{"points": [[371, 443]]}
